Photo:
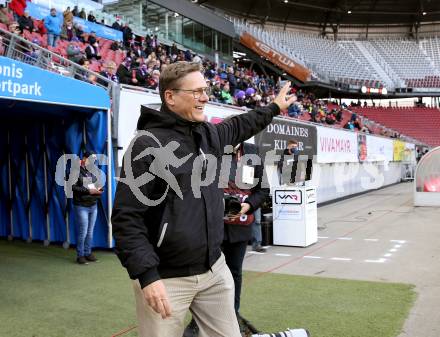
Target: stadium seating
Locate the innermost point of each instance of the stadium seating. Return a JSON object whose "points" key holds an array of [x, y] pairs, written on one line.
{"points": [[391, 63], [420, 123]]}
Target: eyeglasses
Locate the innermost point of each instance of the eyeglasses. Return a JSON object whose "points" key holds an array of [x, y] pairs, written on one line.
{"points": [[197, 93]]}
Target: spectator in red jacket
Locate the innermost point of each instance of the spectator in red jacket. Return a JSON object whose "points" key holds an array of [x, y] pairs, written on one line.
{"points": [[40, 28], [17, 7]]}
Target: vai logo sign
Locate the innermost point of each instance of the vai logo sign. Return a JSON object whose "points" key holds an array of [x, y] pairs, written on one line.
{"points": [[287, 197], [274, 55]]}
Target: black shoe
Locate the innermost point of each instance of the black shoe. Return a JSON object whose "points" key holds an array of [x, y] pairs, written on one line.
{"points": [[246, 327], [259, 249], [81, 260], [91, 258], [191, 330]]}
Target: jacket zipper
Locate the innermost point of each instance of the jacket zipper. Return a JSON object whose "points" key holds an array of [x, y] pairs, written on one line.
{"points": [[162, 234]]}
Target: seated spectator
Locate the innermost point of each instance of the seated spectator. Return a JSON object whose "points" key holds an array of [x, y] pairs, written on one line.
{"points": [[174, 50], [83, 14], [240, 98], [85, 75], [339, 116], [53, 25], [142, 75], [4, 15], [357, 124], [68, 32], [75, 11], [249, 100], [314, 116], [137, 51], [79, 32], [74, 53], [40, 28], [349, 126], [216, 92], [14, 28], [153, 81], [127, 34], [109, 72], [117, 24], [125, 74], [92, 38], [67, 15], [91, 17], [92, 51], [116, 45], [330, 118], [2, 46], [25, 22], [293, 110], [33, 54]]}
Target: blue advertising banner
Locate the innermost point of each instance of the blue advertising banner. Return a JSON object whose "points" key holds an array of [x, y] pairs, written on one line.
{"points": [[22, 81], [39, 12]]}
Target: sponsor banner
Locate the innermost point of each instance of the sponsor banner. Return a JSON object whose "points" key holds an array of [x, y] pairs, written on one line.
{"points": [[399, 148], [336, 146], [277, 133], [21, 81], [379, 149], [284, 62], [288, 197]]}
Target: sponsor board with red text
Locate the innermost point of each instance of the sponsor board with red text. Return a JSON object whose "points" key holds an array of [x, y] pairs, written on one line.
{"points": [[337, 146]]}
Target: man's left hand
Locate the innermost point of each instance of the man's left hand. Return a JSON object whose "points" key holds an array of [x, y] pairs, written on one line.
{"points": [[283, 100]]}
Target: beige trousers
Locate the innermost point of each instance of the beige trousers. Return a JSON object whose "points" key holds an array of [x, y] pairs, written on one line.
{"points": [[209, 297]]}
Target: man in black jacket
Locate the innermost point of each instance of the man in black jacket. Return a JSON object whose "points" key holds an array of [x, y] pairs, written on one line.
{"points": [[85, 197], [168, 235], [244, 186]]}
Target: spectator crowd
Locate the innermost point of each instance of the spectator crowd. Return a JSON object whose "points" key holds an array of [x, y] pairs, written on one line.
{"points": [[138, 61]]}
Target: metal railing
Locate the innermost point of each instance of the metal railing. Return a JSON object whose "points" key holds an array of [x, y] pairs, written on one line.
{"points": [[15, 47]]}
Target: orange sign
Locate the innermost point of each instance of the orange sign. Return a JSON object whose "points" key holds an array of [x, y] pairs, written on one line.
{"points": [[281, 60]]}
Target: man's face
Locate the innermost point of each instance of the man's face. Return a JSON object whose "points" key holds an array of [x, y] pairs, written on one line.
{"points": [[53, 12], [292, 146], [184, 103]]}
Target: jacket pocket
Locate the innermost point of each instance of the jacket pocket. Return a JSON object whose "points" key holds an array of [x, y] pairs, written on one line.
{"points": [[162, 234]]}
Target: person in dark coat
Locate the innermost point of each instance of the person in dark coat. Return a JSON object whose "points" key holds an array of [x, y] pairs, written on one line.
{"points": [[86, 193], [238, 226], [125, 73], [168, 231], [26, 22]]}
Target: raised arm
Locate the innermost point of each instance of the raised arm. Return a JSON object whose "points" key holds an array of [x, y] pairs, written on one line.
{"points": [[241, 127]]}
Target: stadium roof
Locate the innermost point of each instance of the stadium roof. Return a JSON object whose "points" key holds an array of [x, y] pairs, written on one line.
{"points": [[325, 12]]}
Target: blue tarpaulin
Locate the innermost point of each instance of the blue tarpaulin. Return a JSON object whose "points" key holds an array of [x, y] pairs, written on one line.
{"points": [[69, 117]]}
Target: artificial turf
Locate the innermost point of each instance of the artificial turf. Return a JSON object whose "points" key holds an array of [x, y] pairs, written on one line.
{"points": [[44, 293]]}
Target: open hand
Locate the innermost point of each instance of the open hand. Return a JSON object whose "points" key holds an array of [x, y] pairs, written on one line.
{"points": [[283, 100]]}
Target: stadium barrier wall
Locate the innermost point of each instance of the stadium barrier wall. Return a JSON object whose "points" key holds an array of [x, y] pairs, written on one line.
{"points": [[337, 172]]}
